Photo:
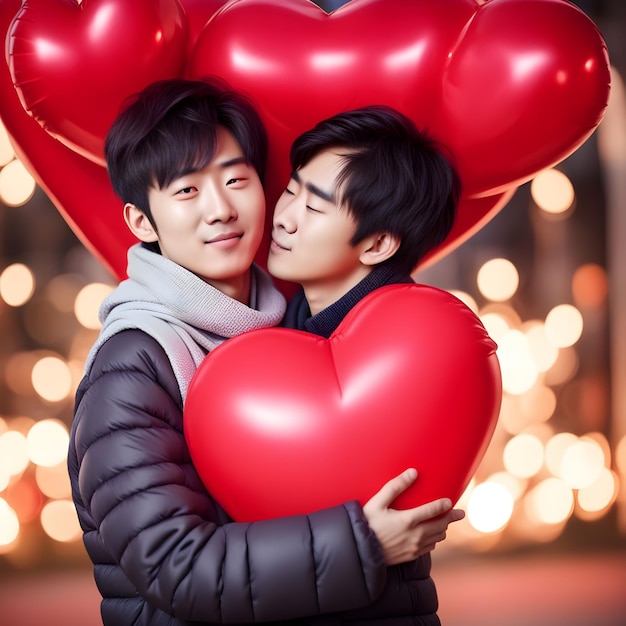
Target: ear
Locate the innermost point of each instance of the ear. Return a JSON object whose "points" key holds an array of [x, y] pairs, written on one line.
{"points": [[139, 224], [378, 248]]}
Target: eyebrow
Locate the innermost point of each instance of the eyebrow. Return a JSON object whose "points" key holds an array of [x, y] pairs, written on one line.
{"points": [[314, 189], [234, 161]]}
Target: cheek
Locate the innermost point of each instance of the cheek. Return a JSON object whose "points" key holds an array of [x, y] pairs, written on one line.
{"points": [[322, 252], [329, 240], [254, 203]]}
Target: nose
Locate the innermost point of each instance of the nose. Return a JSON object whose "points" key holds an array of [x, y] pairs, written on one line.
{"points": [[285, 214], [217, 207]]}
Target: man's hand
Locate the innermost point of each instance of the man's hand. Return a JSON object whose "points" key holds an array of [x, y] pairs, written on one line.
{"points": [[406, 535]]}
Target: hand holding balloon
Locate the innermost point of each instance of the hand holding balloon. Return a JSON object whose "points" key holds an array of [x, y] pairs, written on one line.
{"points": [[406, 535]]}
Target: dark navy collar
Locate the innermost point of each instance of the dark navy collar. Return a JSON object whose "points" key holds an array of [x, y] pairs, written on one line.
{"points": [[298, 314]]}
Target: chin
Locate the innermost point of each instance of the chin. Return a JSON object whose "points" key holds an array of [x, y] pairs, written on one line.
{"points": [[276, 271]]}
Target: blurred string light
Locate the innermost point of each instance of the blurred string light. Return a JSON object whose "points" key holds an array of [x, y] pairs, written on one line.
{"points": [[52, 378], [17, 284], [34, 481], [544, 477], [498, 280], [553, 192], [531, 481], [88, 302], [17, 186], [590, 286], [564, 325]]}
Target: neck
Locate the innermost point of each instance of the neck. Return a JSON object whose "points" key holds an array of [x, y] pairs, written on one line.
{"points": [[322, 294], [237, 288]]}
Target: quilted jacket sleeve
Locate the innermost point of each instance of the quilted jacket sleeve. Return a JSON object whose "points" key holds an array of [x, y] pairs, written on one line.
{"points": [[139, 490]]}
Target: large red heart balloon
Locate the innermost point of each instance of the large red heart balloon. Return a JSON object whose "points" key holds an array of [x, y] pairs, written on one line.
{"points": [[511, 86], [73, 64], [282, 422]]}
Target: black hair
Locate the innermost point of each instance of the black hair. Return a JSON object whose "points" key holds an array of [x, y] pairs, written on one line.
{"points": [[394, 178], [169, 129]]}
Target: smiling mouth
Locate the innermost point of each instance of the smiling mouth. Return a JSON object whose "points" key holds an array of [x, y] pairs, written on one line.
{"points": [[280, 246], [225, 237]]}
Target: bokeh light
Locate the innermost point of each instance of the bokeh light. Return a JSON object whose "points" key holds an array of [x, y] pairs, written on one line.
{"points": [[598, 495], [52, 379], [54, 481], [590, 286], [13, 452], [9, 524], [564, 325], [519, 372], [523, 455], [17, 186], [498, 280], [17, 284], [555, 450], [88, 302], [538, 404], [59, 521], [550, 502], [542, 351], [514, 485], [564, 368], [552, 191], [495, 325], [490, 507], [581, 464], [25, 498], [47, 442]]}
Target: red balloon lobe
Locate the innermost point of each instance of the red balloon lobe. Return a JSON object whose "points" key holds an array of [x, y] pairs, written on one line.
{"points": [[510, 87], [74, 64], [282, 422]]}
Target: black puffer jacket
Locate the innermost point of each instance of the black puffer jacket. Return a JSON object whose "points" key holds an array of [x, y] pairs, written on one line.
{"points": [[165, 553]]}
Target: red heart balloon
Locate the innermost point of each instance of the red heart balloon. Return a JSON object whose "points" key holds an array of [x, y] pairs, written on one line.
{"points": [[297, 77], [527, 84], [79, 188], [409, 379], [74, 63], [510, 86]]}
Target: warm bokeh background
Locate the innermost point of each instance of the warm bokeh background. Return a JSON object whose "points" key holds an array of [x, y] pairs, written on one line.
{"points": [[544, 541]]}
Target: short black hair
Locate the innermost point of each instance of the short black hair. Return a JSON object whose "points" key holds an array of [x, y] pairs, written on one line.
{"points": [[394, 178], [169, 129]]}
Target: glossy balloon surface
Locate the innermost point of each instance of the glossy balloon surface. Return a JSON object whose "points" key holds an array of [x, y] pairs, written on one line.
{"points": [[509, 86], [282, 422]]}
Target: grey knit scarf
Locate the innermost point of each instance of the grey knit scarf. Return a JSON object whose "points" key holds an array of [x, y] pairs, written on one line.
{"points": [[187, 316]]}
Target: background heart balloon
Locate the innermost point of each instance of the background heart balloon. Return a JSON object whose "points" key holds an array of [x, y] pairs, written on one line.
{"points": [[74, 63], [409, 379], [510, 86], [526, 85], [79, 188], [433, 59]]}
